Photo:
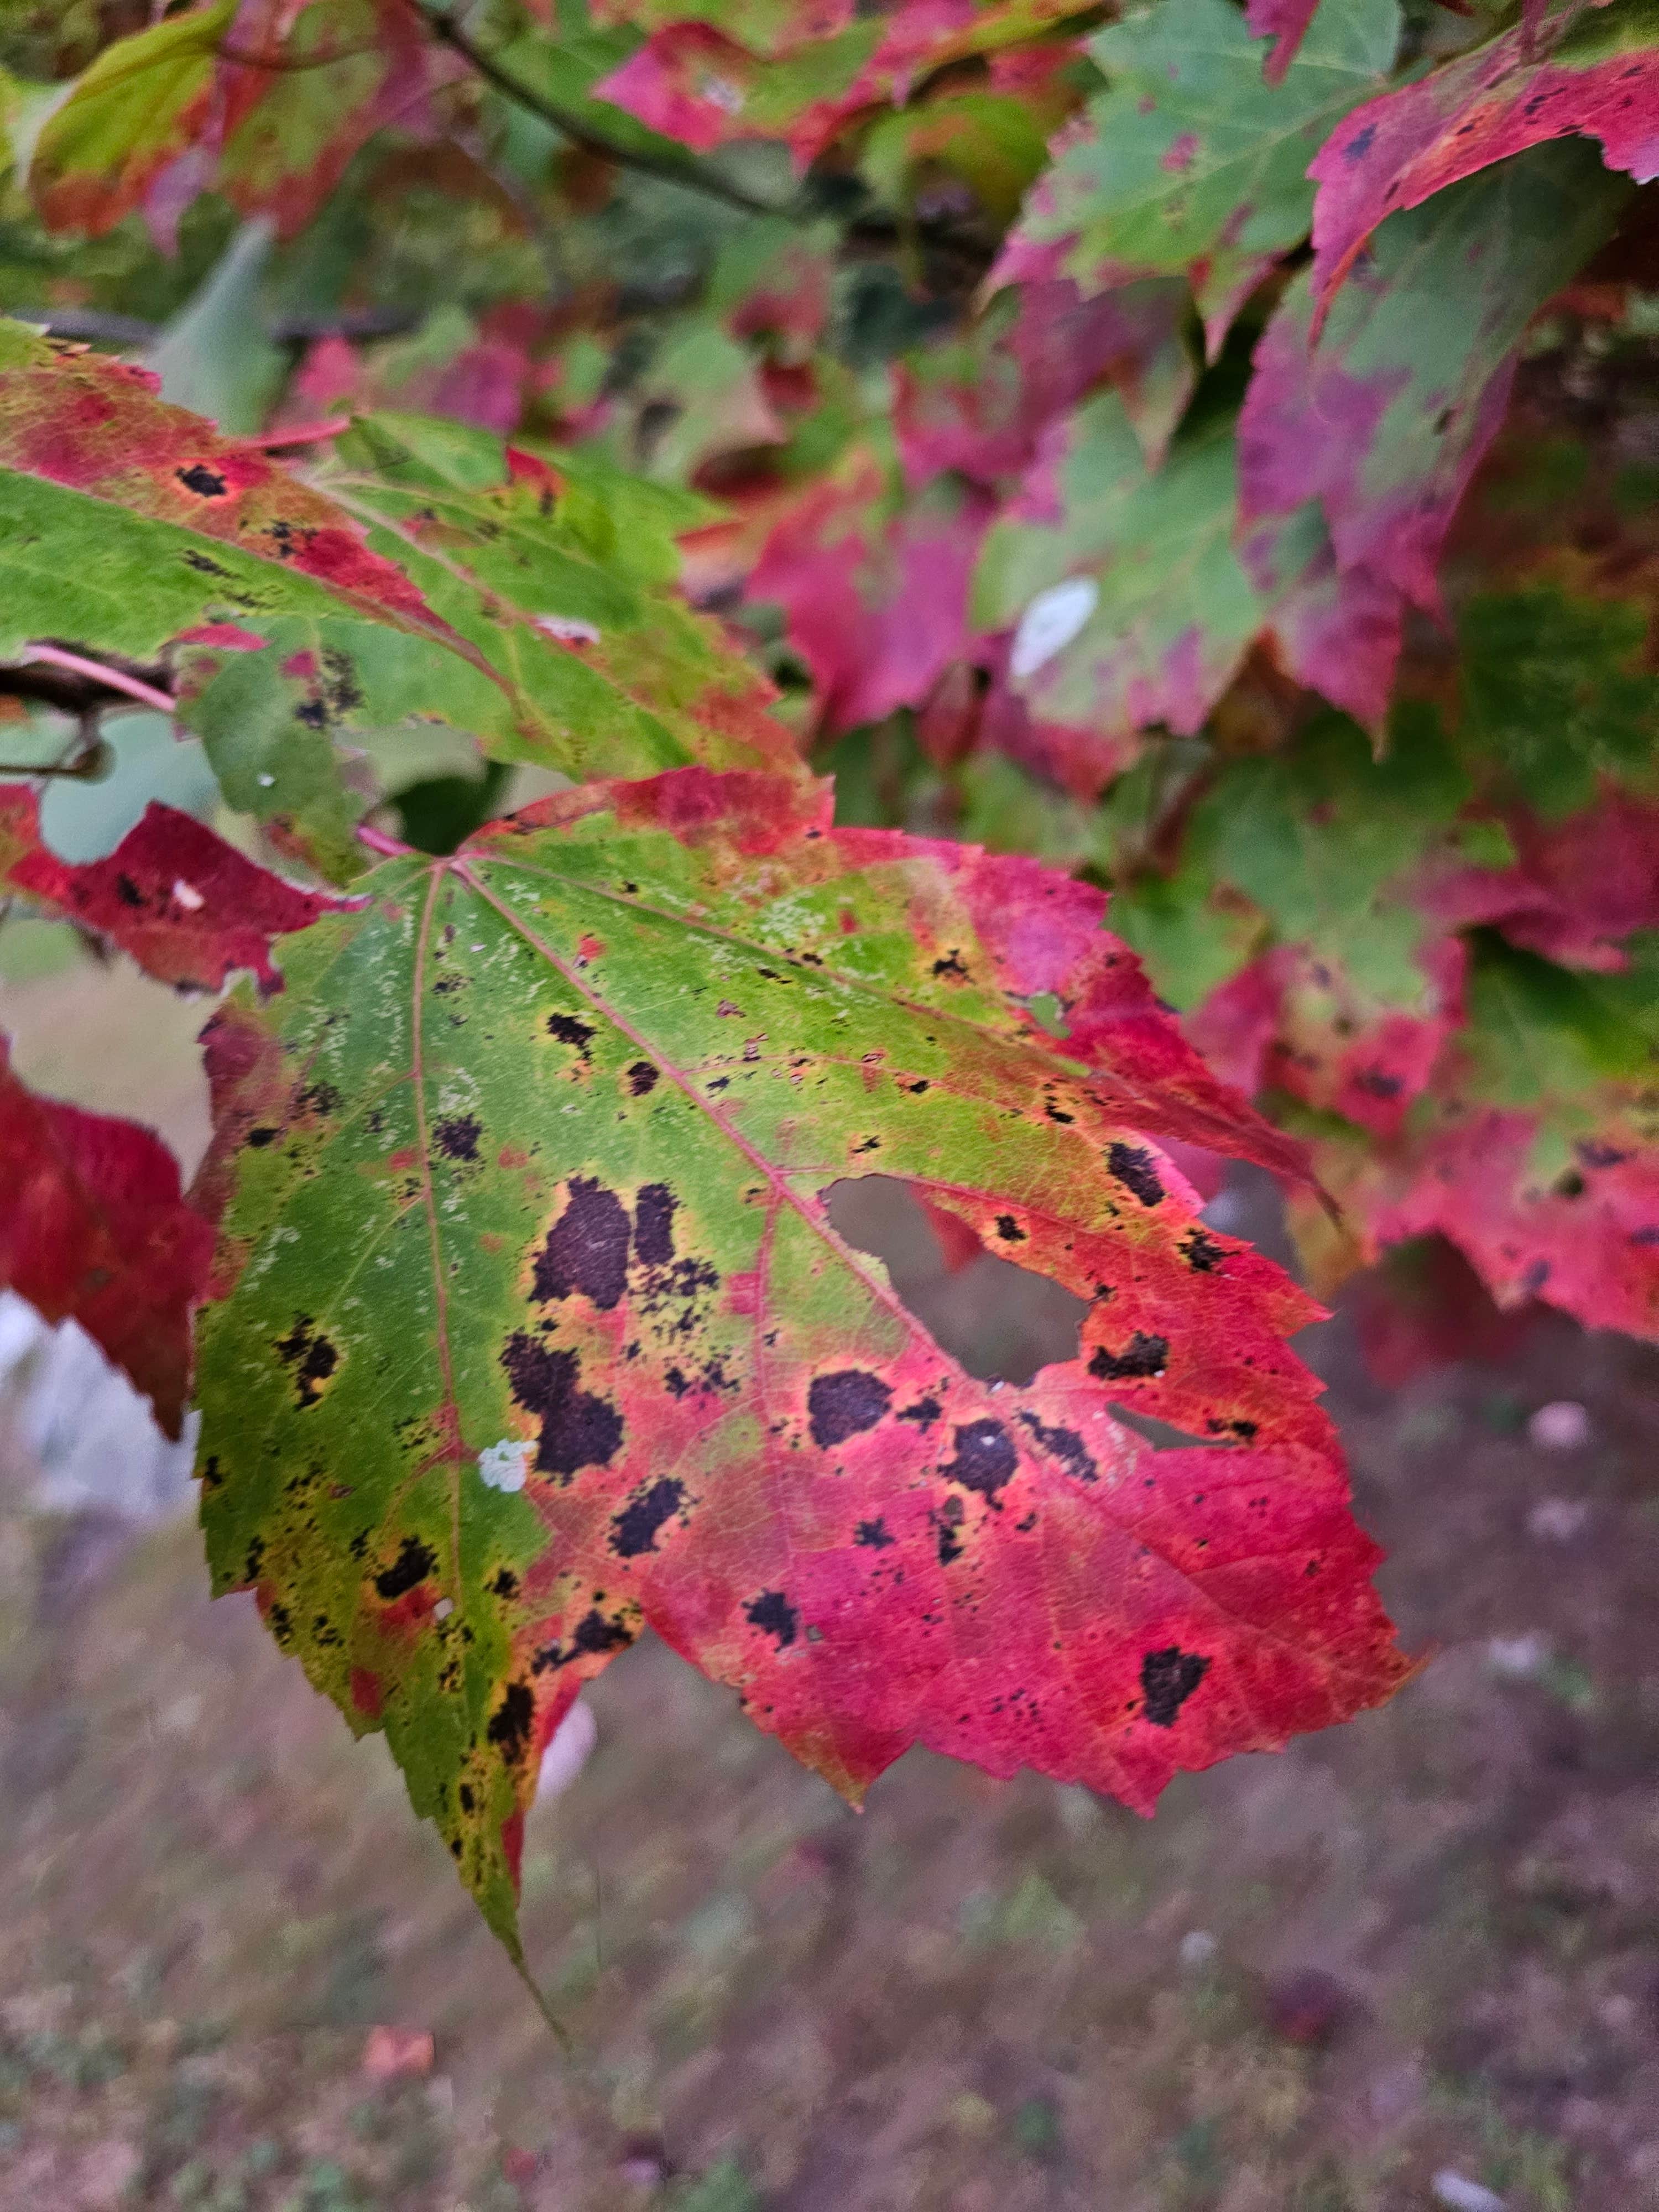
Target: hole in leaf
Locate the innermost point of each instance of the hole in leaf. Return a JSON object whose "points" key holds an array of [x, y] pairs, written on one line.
{"points": [[1000, 1321]]}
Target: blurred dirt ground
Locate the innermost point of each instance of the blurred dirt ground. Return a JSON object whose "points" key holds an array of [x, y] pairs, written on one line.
{"points": [[1419, 1947], [1409, 1962]]}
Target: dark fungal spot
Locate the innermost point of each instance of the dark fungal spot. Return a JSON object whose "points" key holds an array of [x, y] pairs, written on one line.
{"points": [[844, 1405], [320, 1098], [211, 1478], [511, 1722], [1009, 1230], [874, 1534], [593, 1632], [311, 1357], [641, 1079], [952, 965], [924, 1413], [205, 483], [1201, 1252], [1134, 1169], [578, 1430], [457, 1136], [1143, 1355], [1168, 1678], [260, 1138], [634, 1529], [654, 1207], [1064, 1445], [464, 1798], [948, 1522], [587, 1247], [569, 1030], [505, 1584], [255, 1560], [413, 1564], [772, 1612], [985, 1459], [203, 566], [280, 1622], [127, 892]]}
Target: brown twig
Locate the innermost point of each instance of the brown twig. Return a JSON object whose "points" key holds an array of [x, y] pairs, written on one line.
{"points": [[697, 176]]}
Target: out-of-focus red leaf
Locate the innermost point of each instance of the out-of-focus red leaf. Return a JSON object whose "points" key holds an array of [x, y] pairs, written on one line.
{"points": [[1592, 73], [982, 409], [700, 79], [877, 605], [186, 906], [93, 1229], [1423, 1307], [1284, 21], [1583, 1237], [1578, 889]]}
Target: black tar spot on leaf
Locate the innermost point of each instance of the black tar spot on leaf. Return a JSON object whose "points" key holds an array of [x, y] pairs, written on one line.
{"points": [[985, 1459], [641, 1079], [587, 1247], [1064, 1445], [845, 1405], [457, 1136], [511, 1722], [313, 1358], [569, 1030], [1135, 1169], [1143, 1355], [1168, 1678], [773, 1612], [205, 483], [637, 1524], [578, 1430], [654, 1205], [413, 1564]]}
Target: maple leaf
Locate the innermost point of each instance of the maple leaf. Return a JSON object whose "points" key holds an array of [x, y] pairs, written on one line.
{"points": [[264, 100], [980, 403], [1189, 162], [693, 79], [535, 1330], [1535, 1153], [437, 578], [876, 600], [1131, 602], [186, 906], [94, 1230], [1383, 419], [1592, 71]]}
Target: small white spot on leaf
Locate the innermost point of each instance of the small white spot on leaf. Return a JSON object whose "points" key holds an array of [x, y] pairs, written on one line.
{"points": [[569, 629], [1051, 622], [504, 1466]]}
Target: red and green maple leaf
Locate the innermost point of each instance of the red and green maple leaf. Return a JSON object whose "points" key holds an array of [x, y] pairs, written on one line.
{"points": [[1591, 72], [535, 1331]]}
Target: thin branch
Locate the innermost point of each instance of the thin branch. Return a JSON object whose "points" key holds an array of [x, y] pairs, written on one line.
{"points": [[694, 174], [303, 434], [99, 672]]}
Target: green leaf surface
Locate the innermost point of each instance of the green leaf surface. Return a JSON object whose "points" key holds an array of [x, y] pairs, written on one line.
{"points": [[1190, 160]]}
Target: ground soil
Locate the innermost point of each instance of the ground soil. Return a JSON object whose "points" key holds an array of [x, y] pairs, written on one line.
{"points": [[1421, 1943]]}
